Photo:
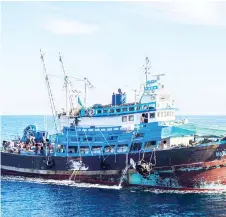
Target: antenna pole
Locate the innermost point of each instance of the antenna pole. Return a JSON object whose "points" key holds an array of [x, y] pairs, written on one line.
{"points": [[85, 92], [53, 108], [66, 83], [87, 83], [135, 95], [146, 68]]}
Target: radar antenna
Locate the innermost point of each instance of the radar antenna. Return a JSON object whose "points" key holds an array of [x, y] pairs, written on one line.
{"points": [[158, 76]]}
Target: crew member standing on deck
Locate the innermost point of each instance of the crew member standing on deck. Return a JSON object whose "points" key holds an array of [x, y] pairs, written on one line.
{"points": [[142, 118]]}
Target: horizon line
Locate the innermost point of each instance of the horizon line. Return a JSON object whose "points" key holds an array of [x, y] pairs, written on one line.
{"points": [[52, 115]]}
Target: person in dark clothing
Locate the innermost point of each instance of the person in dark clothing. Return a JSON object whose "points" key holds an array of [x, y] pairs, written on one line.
{"points": [[42, 150], [36, 148], [76, 121], [142, 118], [146, 118]]}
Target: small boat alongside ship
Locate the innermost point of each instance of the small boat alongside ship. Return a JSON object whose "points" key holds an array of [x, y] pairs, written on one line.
{"points": [[130, 144]]}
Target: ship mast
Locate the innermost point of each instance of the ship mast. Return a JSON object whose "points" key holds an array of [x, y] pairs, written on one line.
{"points": [[69, 88], [53, 107], [147, 67], [87, 84], [135, 95], [69, 84], [65, 83]]}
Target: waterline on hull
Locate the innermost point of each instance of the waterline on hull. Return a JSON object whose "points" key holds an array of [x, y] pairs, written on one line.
{"points": [[206, 188], [58, 182]]}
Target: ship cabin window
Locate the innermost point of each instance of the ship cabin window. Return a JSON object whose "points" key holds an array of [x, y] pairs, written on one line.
{"points": [[99, 111], [112, 137], [131, 118], [122, 148], [124, 109], [112, 110], [149, 145], [138, 108], [72, 149], [109, 149], [75, 139], [105, 111], [135, 147], [152, 115], [150, 107], [96, 149], [139, 135], [165, 114], [118, 110], [124, 118], [131, 108], [158, 114], [84, 149]]}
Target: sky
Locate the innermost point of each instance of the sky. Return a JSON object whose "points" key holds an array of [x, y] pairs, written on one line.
{"points": [[107, 42]]}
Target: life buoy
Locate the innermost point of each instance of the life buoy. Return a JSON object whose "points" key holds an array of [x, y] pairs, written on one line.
{"points": [[91, 112], [145, 107], [49, 162]]}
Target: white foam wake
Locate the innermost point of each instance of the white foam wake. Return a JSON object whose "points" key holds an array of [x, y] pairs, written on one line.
{"points": [[212, 191], [58, 182], [204, 189], [214, 185], [210, 188]]}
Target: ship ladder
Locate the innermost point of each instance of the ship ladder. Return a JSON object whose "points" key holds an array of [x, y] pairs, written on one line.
{"points": [[74, 173]]}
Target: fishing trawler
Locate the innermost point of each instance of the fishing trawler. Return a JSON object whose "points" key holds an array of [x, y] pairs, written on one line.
{"points": [[141, 143]]}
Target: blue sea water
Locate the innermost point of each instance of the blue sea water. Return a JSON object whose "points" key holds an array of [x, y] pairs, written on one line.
{"points": [[34, 197]]}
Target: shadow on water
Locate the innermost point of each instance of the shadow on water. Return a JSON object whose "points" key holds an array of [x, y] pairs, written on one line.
{"points": [[27, 198]]}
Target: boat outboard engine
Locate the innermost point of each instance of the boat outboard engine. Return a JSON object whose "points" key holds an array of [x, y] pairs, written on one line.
{"points": [[143, 168]]}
